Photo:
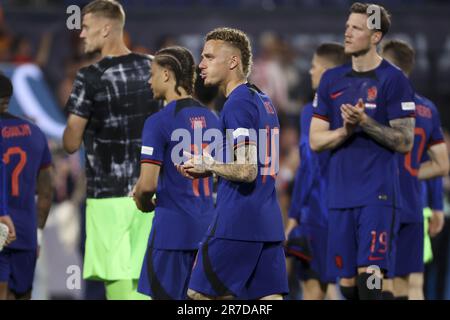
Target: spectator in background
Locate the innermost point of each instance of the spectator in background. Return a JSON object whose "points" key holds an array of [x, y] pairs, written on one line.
{"points": [[22, 50], [5, 38], [268, 72]]}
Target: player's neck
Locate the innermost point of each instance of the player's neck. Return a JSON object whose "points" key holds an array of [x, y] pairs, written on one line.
{"points": [[366, 62], [173, 96], [115, 49], [228, 87]]}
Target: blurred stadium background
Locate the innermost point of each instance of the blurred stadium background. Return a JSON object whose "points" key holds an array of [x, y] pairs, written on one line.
{"points": [[42, 57]]}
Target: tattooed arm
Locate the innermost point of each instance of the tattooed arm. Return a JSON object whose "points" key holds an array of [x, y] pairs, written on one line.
{"points": [[398, 136], [244, 169]]}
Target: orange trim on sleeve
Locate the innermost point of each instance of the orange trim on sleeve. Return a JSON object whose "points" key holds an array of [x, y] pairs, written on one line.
{"points": [[318, 116], [158, 163], [432, 143]]}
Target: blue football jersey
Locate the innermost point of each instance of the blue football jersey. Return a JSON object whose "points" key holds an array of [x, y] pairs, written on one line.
{"points": [[250, 211], [184, 207], [427, 132], [25, 153], [363, 172], [309, 197]]}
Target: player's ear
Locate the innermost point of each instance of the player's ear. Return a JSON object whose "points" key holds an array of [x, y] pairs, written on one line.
{"points": [[376, 37], [166, 75], [106, 30], [234, 62]]}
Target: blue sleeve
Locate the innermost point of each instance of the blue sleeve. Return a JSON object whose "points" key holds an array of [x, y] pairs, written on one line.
{"points": [[435, 193], [322, 103], [399, 97], [437, 136], [239, 118], [153, 140], [81, 99]]}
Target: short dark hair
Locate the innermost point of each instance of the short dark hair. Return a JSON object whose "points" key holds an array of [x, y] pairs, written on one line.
{"points": [[110, 9], [6, 88], [402, 53], [237, 39], [181, 62], [385, 19], [333, 52]]}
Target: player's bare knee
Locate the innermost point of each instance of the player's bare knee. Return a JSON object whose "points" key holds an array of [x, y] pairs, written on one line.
{"points": [[224, 298], [3, 291], [273, 297], [416, 281], [312, 290], [348, 282], [194, 295]]}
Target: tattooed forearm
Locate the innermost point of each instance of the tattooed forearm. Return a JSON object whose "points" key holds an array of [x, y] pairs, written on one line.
{"points": [[244, 169], [399, 136]]}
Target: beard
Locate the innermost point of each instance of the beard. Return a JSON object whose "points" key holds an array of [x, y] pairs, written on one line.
{"points": [[91, 49]]}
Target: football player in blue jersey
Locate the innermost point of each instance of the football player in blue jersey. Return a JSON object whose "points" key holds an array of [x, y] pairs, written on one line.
{"points": [[184, 208], [306, 229], [28, 172], [413, 166], [365, 116], [7, 231], [242, 255]]}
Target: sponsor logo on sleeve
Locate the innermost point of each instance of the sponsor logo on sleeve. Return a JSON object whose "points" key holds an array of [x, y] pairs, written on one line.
{"points": [[408, 106], [148, 151]]}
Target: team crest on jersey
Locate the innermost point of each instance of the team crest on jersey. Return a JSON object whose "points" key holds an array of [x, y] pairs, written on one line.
{"points": [[198, 122], [338, 261], [372, 94]]}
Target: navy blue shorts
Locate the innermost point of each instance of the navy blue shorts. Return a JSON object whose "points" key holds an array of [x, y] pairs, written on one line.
{"points": [[308, 243], [360, 237], [409, 255], [165, 274], [245, 270], [17, 269]]}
